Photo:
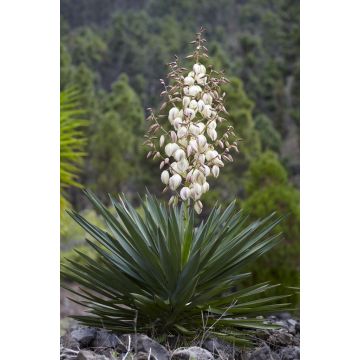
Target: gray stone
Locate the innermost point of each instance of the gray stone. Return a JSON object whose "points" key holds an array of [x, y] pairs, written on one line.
{"points": [[263, 353], [143, 356], [84, 336], [281, 337], [90, 355], [68, 342], [192, 353], [290, 353], [220, 348], [142, 343], [104, 339]]}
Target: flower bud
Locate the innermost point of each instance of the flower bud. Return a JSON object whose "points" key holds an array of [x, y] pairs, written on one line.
{"points": [[193, 105], [185, 193], [182, 132], [173, 114], [211, 155], [211, 125], [215, 171], [174, 181], [194, 195], [201, 158], [177, 123], [198, 206], [189, 80], [197, 68], [162, 139], [186, 101], [186, 90], [165, 177], [193, 90], [205, 187], [193, 145], [189, 150], [182, 165], [179, 154], [201, 141], [191, 73], [206, 170], [194, 176], [207, 111], [201, 105], [173, 136], [189, 113], [197, 188], [171, 148], [212, 134], [207, 98], [202, 69]]}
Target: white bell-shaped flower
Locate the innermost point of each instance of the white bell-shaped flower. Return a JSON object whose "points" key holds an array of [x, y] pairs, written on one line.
{"points": [[201, 105], [162, 140], [174, 181], [201, 141], [182, 132], [171, 148], [182, 165], [197, 68], [205, 187], [193, 105], [206, 170], [165, 177], [212, 134], [186, 101], [177, 123], [189, 80], [179, 154], [215, 171], [211, 125], [173, 113], [211, 155], [189, 113], [194, 90], [207, 98], [198, 206], [185, 193]]}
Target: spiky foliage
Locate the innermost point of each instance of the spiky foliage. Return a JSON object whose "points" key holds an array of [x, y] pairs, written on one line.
{"points": [[159, 273], [72, 142]]}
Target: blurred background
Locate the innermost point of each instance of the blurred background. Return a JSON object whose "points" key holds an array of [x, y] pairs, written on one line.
{"points": [[113, 53]]}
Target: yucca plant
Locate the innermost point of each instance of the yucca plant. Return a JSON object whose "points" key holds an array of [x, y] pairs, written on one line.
{"points": [[160, 273], [72, 142]]}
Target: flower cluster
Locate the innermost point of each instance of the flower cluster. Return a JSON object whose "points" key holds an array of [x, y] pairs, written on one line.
{"points": [[196, 141]]}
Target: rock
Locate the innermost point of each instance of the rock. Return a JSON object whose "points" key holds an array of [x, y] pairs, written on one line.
{"points": [[220, 348], [284, 316], [90, 355], [290, 353], [84, 336], [192, 353], [143, 356], [68, 342], [104, 339], [142, 343], [281, 337], [263, 353]]}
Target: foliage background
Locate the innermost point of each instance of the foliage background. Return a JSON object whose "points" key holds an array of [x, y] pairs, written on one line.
{"points": [[115, 51]]}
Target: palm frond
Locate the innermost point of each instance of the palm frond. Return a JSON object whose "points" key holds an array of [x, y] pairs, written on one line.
{"points": [[72, 142]]}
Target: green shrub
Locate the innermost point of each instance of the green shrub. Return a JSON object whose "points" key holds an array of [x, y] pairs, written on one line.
{"points": [[269, 136], [265, 171], [269, 190], [162, 274]]}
